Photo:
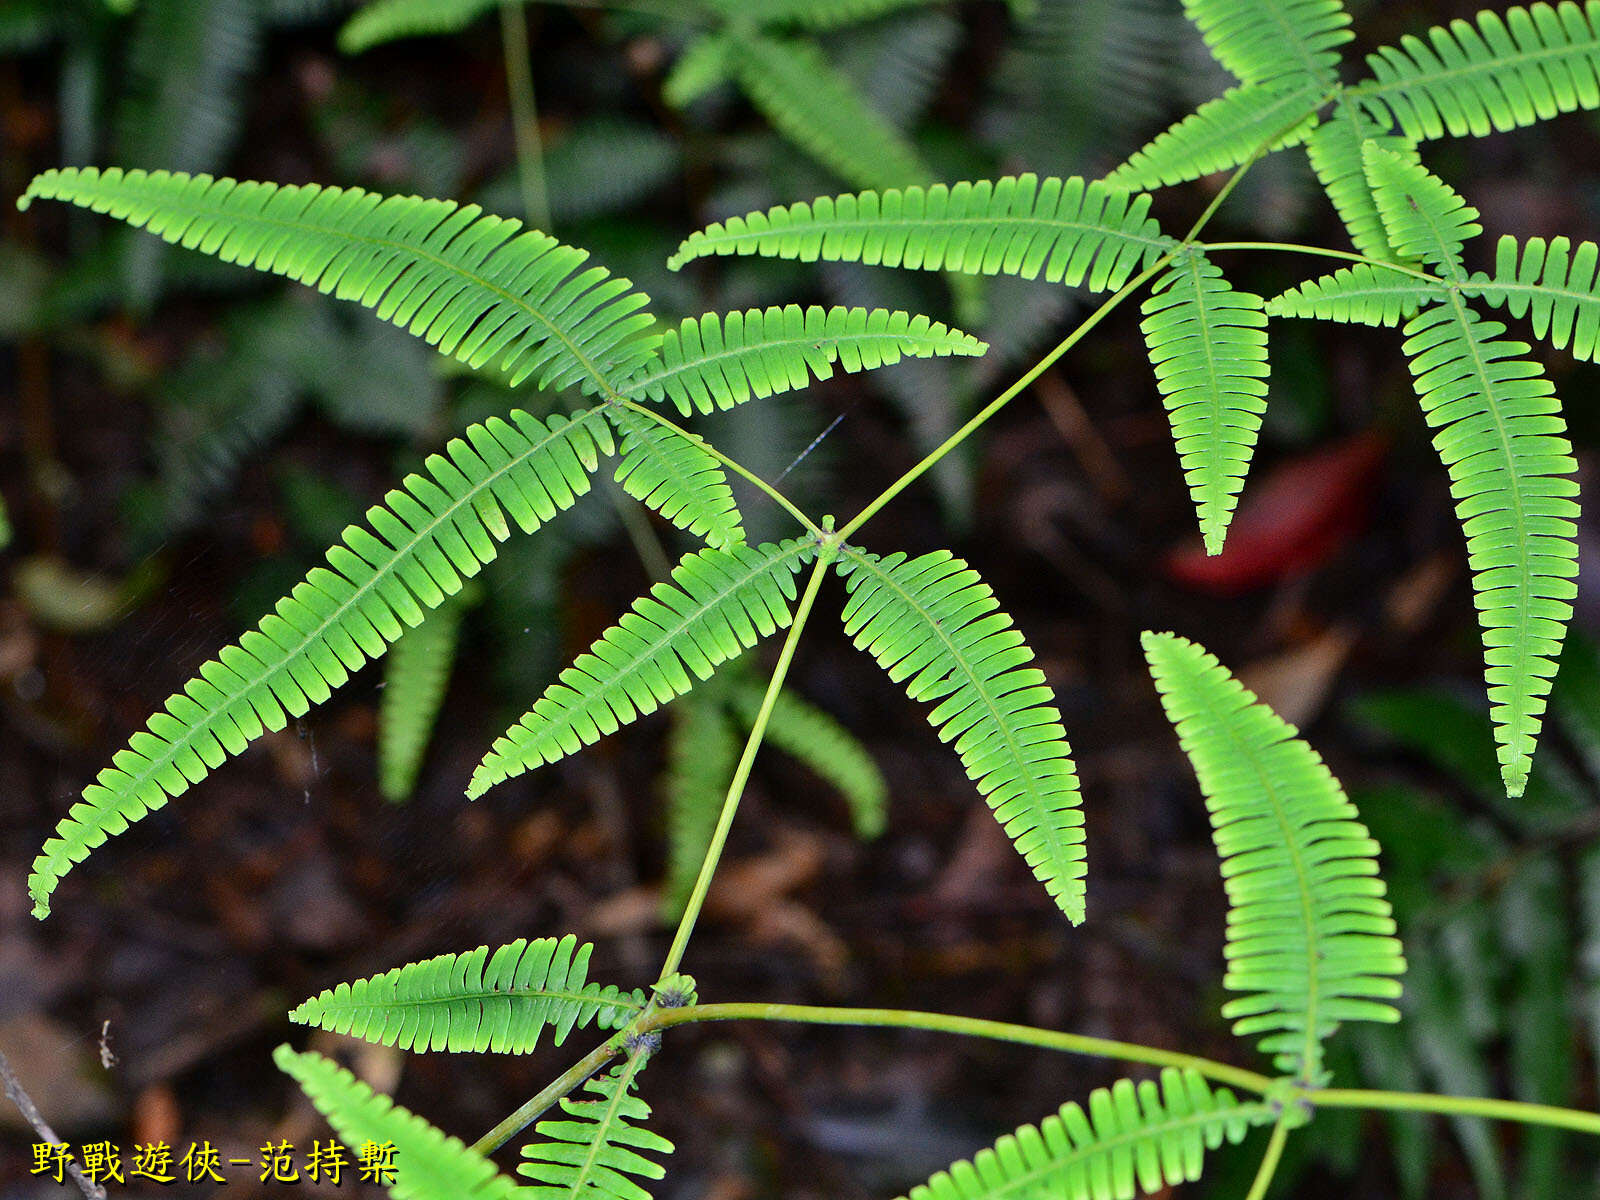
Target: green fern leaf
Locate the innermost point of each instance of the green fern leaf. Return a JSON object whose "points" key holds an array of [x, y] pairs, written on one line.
{"points": [[1510, 69], [1209, 346], [827, 747], [1066, 231], [702, 751], [1264, 41], [676, 474], [718, 603], [1335, 149], [805, 98], [709, 362], [933, 624], [1362, 294], [476, 1002], [1310, 935], [701, 67], [1554, 284], [469, 283], [592, 1149], [1223, 133], [428, 1164], [1135, 1138], [1424, 217], [415, 551], [413, 689], [813, 15], [384, 21]]}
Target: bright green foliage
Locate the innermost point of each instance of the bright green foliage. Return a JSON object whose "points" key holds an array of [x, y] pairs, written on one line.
{"points": [[805, 98], [590, 1151], [1362, 294], [709, 362], [1135, 1139], [1336, 151], [383, 21], [1208, 343], [675, 474], [1509, 69], [935, 626], [702, 751], [1554, 285], [1264, 41], [471, 284], [1310, 936], [702, 66], [415, 550], [1223, 133], [718, 603], [476, 1002], [1066, 231], [429, 1165], [814, 15], [1424, 217], [413, 689]]}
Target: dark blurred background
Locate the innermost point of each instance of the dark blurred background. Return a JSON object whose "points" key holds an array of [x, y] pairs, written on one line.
{"points": [[180, 439]]}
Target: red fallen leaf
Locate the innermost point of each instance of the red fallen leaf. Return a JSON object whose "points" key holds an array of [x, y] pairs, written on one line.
{"points": [[1292, 521]]}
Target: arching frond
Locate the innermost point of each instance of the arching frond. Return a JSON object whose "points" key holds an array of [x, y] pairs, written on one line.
{"points": [[676, 475], [595, 1150], [1424, 217], [1209, 346], [718, 603], [413, 689], [1362, 294], [1223, 133], [476, 286], [1554, 284], [381, 21], [1508, 70], [414, 551], [805, 98], [428, 1164], [934, 625], [1262, 41], [713, 362], [815, 15], [1135, 1139], [1064, 230], [1310, 935], [702, 751], [1500, 434], [476, 1002], [1335, 149]]}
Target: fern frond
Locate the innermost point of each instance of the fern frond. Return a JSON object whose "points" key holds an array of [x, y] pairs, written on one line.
{"points": [[1065, 230], [674, 473], [934, 625], [1335, 149], [1208, 343], [1223, 133], [1424, 217], [798, 727], [805, 98], [1554, 284], [476, 1002], [384, 21], [813, 15], [417, 547], [713, 362], [1310, 934], [703, 65], [413, 689], [1362, 294], [428, 1164], [702, 751], [590, 1151], [1135, 1138], [1501, 435], [717, 604], [1508, 70], [475, 286], [1263, 41]]}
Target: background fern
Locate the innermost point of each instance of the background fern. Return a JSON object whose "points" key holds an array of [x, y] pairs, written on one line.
{"points": [[413, 691]]}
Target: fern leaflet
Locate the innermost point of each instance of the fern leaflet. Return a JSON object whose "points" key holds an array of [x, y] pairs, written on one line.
{"points": [[1135, 1138], [1554, 284], [674, 473], [814, 15], [590, 1152], [1063, 230], [1208, 343], [1310, 935], [1264, 41], [702, 751], [428, 1164], [1336, 151], [476, 1002], [718, 603], [413, 689], [383, 21], [1424, 217], [933, 624], [413, 553], [1362, 294]]}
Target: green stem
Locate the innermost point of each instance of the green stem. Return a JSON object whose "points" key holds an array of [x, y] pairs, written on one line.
{"points": [[524, 114], [1323, 252], [1274, 1155], [565, 1083], [1462, 1106], [741, 774]]}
